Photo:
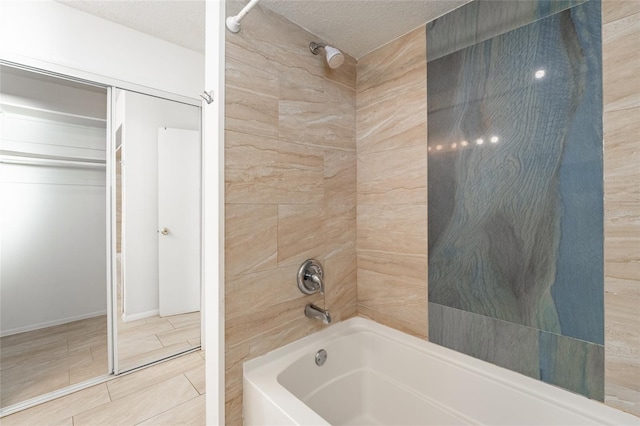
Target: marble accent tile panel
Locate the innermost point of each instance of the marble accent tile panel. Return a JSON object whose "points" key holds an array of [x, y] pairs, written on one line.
{"points": [[613, 10], [499, 342], [515, 184], [572, 364], [621, 76], [516, 226], [393, 177], [562, 361], [250, 238], [478, 21]]}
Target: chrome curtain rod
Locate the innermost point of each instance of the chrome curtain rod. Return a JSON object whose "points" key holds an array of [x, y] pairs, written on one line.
{"points": [[233, 22]]}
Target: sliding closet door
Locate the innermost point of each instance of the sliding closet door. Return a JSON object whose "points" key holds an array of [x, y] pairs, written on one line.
{"points": [[146, 331], [53, 222]]}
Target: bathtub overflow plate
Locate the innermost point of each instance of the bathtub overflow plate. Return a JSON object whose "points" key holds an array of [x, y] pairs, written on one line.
{"points": [[321, 357]]}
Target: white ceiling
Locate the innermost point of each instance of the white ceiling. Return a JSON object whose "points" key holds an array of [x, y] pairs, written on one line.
{"points": [[355, 26]]}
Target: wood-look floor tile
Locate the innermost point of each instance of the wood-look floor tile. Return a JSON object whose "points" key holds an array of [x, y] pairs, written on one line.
{"points": [[137, 345], [65, 422], [85, 372], [131, 383], [140, 406], [60, 409], [190, 413], [145, 357], [148, 329], [191, 319], [184, 334], [26, 388], [197, 378], [30, 358]]}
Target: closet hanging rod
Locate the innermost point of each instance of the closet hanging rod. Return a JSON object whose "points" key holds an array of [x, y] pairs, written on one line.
{"points": [[50, 162]]}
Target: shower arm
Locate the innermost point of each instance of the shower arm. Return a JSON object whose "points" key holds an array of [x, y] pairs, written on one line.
{"points": [[313, 47]]}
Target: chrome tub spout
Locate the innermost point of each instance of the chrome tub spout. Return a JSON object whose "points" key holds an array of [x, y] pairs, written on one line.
{"points": [[312, 311]]}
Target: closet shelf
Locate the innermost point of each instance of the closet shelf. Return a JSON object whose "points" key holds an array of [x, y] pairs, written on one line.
{"points": [[48, 114]]}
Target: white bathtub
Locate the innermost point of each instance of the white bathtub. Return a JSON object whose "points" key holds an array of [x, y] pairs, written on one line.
{"points": [[375, 375]]}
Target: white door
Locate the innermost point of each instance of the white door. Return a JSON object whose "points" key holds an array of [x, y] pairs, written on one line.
{"points": [[178, 221]]}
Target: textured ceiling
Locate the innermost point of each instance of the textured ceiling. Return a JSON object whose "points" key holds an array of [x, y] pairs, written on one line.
{"points": [[178, 21], [355, 26], [360, 26]]}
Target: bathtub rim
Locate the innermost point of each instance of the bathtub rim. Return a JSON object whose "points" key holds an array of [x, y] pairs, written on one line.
{"points": [[262, 374]]}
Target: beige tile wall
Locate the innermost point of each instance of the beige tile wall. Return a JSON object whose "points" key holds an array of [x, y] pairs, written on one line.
{"points": [[391, 137], [621, 78], [290, 182], [289, 146]]}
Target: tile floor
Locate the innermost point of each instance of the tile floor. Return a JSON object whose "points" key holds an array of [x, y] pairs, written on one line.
{"points": [[41, 361], [44, 360], [169, 393]]}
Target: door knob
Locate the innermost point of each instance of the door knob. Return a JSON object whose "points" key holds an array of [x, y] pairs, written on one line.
{"points": [[164, 231]]}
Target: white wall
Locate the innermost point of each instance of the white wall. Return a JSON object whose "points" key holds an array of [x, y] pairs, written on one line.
{"points": [[49, 34], [52, 219], [143, 115]]}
